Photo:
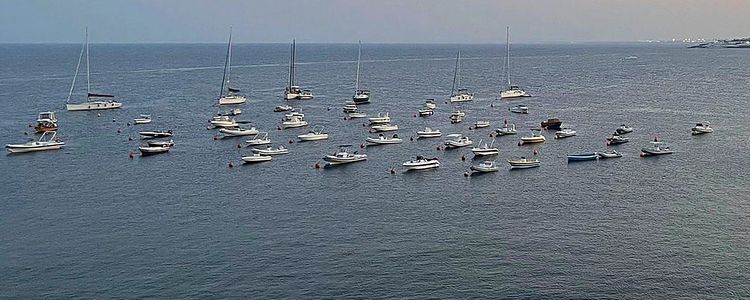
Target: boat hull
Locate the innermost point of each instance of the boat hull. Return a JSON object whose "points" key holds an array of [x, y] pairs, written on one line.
{"points": [[316, 137], [513, 94], [421, 166], [93, 105], [231, 100], [384, 141], [230, 132], [256, 159], [26, 148]]}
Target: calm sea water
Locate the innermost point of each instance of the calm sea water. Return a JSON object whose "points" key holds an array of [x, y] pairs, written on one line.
{"points": [[89, 222]]}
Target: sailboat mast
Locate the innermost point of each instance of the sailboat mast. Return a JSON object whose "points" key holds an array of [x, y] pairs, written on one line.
{"points": [[226, 63], [291, 64], [359, 56], [455, 74], [75, 76], [507, 54], [229, 59], [88, 69]]}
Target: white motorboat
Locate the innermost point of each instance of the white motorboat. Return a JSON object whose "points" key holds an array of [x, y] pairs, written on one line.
{"points": [[344, 156], [385, 127], [523, 163], [565, 132], [232, 132], [357, 114], [232, 112], [91, 103], [349, 107], [609, 154], [45, 142], [485, 167], [260, 139], [223, 122], [459, 94], [455, 119], [506, 129], [425, 112], [513, 91], [256, 157], [701, 128], [484, 149], [155, 134], [292, 90], [430, 103], [306, 95], [656, 148], [623, 129], [151, 150], [535, 137], [46, 121], [457, 140], [384, 140], [421, 163], [142, 119], [458, 113], [481, 124], [360, 96], [294, 122], [382, 118], [292, 114], [429, 133], [519, 109], [617, 139], [169, 143], [229, 96], [271, 151], [314, 135], [282, 108]]}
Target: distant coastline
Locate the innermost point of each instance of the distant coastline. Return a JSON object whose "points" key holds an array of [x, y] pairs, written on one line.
{"points": [[733, 43]]}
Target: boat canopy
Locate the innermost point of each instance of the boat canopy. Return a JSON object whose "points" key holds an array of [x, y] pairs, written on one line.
{"points": [[100, 95]]}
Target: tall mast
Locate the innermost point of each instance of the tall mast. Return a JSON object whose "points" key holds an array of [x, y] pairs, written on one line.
{"points": [[507, 54], [455, 74], [458, 69], [88, 69], [359, 56], [229, 58], [291, 66], [226, 64], [78, 67]]}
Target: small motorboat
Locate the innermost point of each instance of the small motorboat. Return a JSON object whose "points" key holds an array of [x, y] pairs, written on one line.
{"points": [[484, 149], [430, 104], [617, 139], [656, 148], [481, 124], [429, 133], [306, 95], [701, 128], [231, 112], [151, 150], [294, 122], [260, 139], [46, 121], [426, 112], [45, 142], [283, 107], [142, 119], [383, 140], [458, 113], [523, 163], [357, 114], [455, 119], [314, 135], [155, 134], [294, 114], [623, 129], [349, 107], [485, 167], [535, 137], [506, 129], [609, 154], [256, 157], [421, 163], [344, 156], [382, 118], [385, 127], [565, 132], [552, 123], [361, 96], [457, 140], [223, 122], [519, 109], [232, 132], [168, 143], [583, 156], [271, 151]]}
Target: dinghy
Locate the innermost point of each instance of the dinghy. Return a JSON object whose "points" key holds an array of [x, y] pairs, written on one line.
{"points": [[45, 142]]}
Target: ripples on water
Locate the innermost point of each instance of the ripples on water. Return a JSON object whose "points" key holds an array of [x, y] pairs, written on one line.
{"points": [[88, 222]]}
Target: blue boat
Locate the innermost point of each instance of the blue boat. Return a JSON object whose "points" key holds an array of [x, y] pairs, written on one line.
{"points": [[583, 156]]}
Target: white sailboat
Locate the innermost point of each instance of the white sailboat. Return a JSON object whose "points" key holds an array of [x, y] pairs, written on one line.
{"points": [[459, 94], [231, 96], [360, 96], [292, 90], [513, 91], [91, 103]]}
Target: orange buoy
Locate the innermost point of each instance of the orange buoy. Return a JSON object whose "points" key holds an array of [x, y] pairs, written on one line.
{"points": [[317, 165]]}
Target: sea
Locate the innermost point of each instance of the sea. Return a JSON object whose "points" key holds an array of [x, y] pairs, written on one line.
{"points": [[88, 221]]}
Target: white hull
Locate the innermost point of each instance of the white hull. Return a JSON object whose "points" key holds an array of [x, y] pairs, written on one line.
{"points": [[384, 128], [532, 140], [432, 164], [384, 141], [313, 137], [153, 150], [513, 94], [230, 100], [291, 96], [141, 121], [238, 132], [224, 124], [422, 134], [256, 158], [294, 124], [333, 160], [461, 98], [23, 148], [93, 105], [271, 151], [258, 142], [357, 115], [154, 134], [485, 152]]}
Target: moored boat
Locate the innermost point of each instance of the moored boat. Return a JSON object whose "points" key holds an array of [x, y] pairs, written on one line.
{"points": [[47, 141], [271, 151], [617, 139], [385, 127], [429, 133], [485, 149], [344, 156], [383, 140], [481, 124], [519, 109], [382, 118], [583, 156], [142, 119], [238, 131], [260, 139], [457, 140], [524, 163], [552, 123], [565, 132], [701, 128], [256, 157], [151, 150], [155, 134], [314, 135], [535, 137], [656, 148], [485, 167], [507, 129], [421, 163], [609, 154], [46, 121], [623, 129]]}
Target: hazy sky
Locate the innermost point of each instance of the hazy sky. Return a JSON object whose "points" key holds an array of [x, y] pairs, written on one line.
{"points": [[401, 21]]}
